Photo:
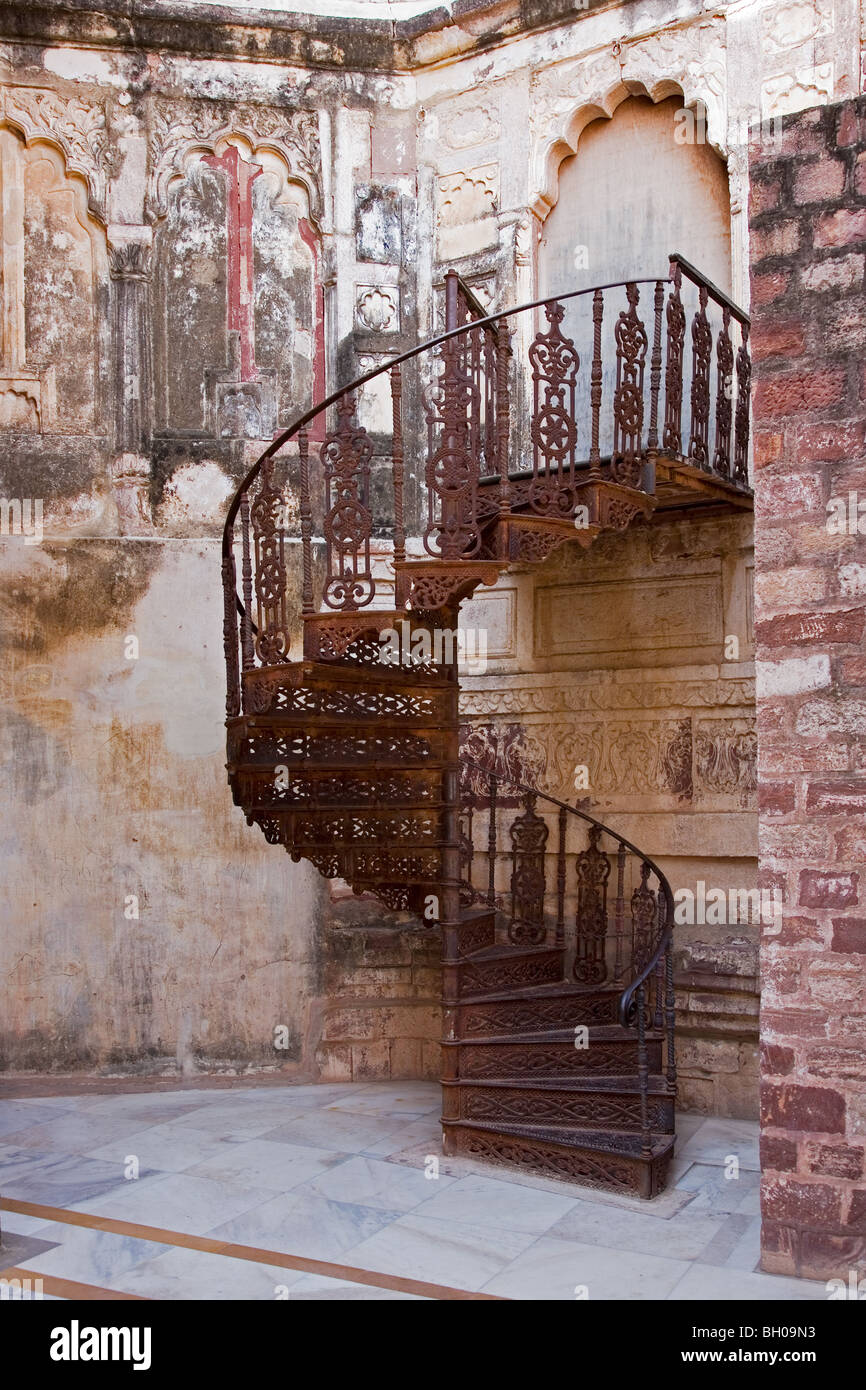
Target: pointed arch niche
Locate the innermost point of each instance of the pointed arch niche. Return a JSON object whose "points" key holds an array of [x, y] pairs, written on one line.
{"points": [[238, 336], [642, 182], [53, 292]]}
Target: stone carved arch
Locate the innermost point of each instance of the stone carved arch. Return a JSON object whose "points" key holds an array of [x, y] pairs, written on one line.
{"points": [[76, 128], [53, 350], [238, 269], [184, 132], [688, 62]]}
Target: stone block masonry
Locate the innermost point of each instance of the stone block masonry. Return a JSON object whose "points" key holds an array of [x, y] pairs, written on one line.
{"points": [[808, 249]]}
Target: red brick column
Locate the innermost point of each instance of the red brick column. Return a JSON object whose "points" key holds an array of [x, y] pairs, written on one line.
{"points": [[808, 236]]}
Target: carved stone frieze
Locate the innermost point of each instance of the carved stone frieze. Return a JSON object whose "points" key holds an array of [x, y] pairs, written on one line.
{"points": [[180, 126]]}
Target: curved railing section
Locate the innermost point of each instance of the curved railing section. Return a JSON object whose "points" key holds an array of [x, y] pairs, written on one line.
{"points": [[621, 381], [620, 902]]}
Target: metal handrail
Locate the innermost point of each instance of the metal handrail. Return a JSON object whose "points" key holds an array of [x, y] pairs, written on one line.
{"points": [[665, 936], [326, 403]]}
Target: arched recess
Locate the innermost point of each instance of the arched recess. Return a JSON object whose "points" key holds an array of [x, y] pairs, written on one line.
{"points": [[54, 287], [643, 182], [641, 178], [239, 330]]}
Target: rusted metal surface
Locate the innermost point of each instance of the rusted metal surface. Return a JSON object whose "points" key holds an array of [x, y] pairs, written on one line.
{"points": [[349, 757]]}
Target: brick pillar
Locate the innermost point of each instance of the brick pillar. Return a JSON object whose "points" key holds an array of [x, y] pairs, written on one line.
{"points": [[808, 246]]}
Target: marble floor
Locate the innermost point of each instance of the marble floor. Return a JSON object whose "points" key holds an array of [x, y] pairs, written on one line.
{"points": [[341, 1191]]}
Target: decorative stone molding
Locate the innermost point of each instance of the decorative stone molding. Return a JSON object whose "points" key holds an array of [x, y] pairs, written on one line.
{"points": [[129, 265], [180, 128], [75, 126], [377, 308], [811, 85], [466, 206], [468, 122], [27, 399], [689, 60]]}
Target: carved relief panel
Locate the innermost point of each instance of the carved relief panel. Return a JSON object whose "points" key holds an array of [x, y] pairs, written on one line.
{"points": [[238, 321], [54, 288]]}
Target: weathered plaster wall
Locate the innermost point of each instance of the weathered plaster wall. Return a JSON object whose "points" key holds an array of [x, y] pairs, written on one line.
{"points": [[809, 250], [387, 152]]}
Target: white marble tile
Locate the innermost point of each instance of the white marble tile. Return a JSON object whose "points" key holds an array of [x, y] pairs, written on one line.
{"points": [[714, 1282], [177, 1202], [440, 1252], [686, 1125], [340, 1130], [240, 1121], [316, 1288], [422, 1135], [89, 1256], [490, 1202], [306, 1224], [394, 1098], [17, 1223], [680, 1237], [263, 1163], [375, 1183], [168, 1148], [21, 1114], [75, 1133], [717, 1194], [182, 1274], [555, 1269], [57, 1180], [717, 1139], [746, 1253]]}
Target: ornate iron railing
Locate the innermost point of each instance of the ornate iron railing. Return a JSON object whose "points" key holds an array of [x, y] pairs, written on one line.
{"points": [[677, 395], [615, 920]]}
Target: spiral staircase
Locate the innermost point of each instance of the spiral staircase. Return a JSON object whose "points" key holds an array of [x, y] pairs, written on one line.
{"points": [[343, 702]]}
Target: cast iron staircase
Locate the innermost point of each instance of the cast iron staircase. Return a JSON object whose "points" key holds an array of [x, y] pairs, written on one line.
{"points": [[343, 719]]}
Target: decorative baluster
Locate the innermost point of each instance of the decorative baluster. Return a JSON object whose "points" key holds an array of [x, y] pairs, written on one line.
{"points": [[528, 844], [491, 418], [631, 348], [230, 632], [593, 871], [271, 580], [553, 428], [741, 426], [643, 1072], [672, 437], [397, 473], [619, 915], [503, 421], [560, 879], [656, 366], [491, 843], [474, 341], [247, 649], [595, 381], [670, 1019], [724, 393], [345, 455], [452, 469], [702, 350], [658, 992], [467, 854], [306, 523], [643, 916]]}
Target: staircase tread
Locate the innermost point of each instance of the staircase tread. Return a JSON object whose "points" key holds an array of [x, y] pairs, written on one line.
{"points": [[555, 990], [623, 1142], [499, 952], [618, 1084], [601, 1032], [331, 673]]}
